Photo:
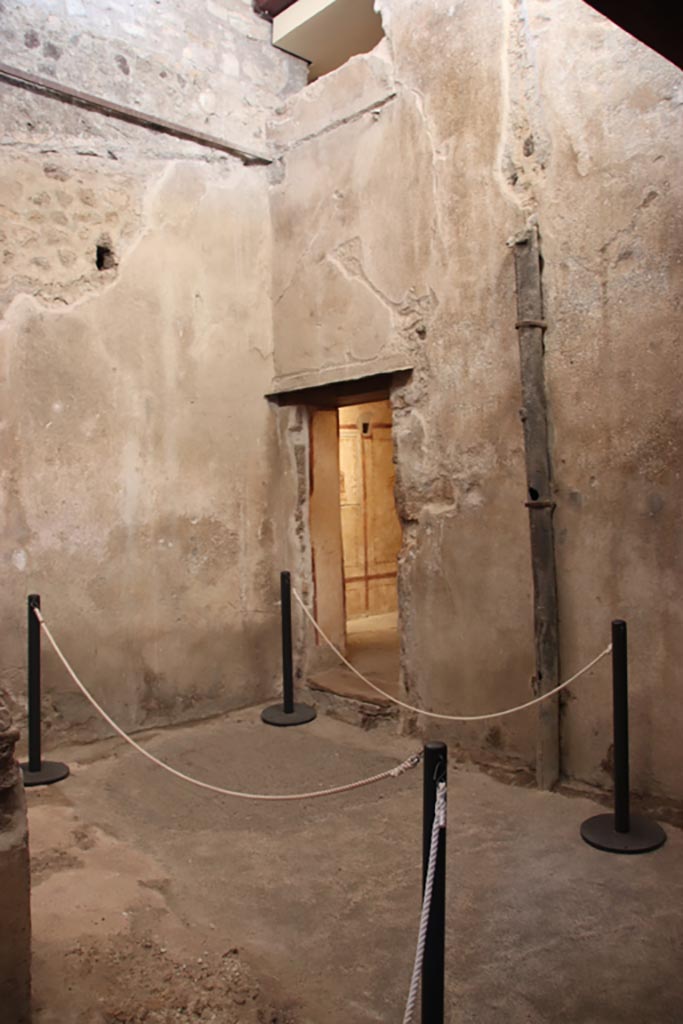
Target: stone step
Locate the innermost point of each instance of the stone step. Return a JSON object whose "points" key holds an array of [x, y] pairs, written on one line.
{"points": [[343, 683]]}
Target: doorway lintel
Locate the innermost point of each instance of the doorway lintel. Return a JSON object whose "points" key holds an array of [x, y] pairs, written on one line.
{"points": [[339, 389]]}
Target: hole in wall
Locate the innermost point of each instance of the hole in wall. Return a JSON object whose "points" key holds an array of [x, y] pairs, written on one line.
{"points": [[533, 494], [104, 255]]}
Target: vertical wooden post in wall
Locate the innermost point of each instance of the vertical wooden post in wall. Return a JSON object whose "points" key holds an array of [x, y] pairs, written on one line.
{"points": [[530, 330]]}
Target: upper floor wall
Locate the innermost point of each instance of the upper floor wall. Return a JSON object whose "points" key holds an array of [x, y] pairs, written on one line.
{"points": [[208, 65]]}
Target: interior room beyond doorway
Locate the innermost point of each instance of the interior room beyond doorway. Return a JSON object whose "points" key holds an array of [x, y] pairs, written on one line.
{"points": [[371, 540], [356, 537], [371, 532]]}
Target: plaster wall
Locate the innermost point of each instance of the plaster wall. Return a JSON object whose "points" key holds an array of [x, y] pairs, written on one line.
{"points": [[406, 172], [139, 469], [150, 494]]}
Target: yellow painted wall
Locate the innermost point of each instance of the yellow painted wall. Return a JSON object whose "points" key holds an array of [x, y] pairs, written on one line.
{"points": [[371, 532]]}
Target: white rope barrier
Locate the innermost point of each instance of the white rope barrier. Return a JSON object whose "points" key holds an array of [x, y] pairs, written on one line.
{"points": [[438, 823], [391, 773], [437, 714], [410, 762]]}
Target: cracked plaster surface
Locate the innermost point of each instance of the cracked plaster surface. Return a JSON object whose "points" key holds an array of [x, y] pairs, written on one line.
{"points": [[124, 479], [525, 111], [525, 148], [402, 176], [409, 313]]}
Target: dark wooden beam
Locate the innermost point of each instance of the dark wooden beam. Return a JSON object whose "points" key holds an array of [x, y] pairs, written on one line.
{"points": [[269, 8], [341, 393], [530, 330], [48, 87]]}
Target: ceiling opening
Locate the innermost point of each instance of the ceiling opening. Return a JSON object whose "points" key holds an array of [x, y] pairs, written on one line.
{"points": [[327, 32]]}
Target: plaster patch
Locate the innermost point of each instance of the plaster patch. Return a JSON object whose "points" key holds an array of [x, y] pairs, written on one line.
{"points": [[19, 560], [207, 101]]}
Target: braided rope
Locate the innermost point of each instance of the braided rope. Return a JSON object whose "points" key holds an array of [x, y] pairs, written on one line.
{"points": [[437, 714], [438, 823], [391, 773]]}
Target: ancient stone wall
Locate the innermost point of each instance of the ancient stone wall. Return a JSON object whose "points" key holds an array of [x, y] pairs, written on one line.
{"points": [[208, 65], [151, 495], [405, 174], [15, 891], [138, 453]]}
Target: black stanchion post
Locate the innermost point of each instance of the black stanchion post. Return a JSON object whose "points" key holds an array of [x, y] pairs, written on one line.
{"points": [[435, 771], [622, 782], [621, 832], [287, 660], [37, 772], [35, 755], [287, 713]]}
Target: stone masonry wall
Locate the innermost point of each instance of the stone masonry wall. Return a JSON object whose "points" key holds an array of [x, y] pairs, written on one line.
{"points": [[405, 174], [138, 457], [208, 65]]}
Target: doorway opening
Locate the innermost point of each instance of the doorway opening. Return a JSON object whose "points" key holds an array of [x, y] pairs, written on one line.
{"points": [[371, 540], [355, 540], [354, 533]]}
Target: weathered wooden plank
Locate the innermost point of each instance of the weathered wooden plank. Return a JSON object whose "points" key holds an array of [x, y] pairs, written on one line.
{"points": [[530, 331]]}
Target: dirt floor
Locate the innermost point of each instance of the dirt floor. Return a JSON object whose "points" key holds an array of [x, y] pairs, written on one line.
{"points": [[107, 945], [159, 903]]}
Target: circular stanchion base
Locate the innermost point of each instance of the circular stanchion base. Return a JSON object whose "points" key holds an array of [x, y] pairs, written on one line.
{"points": [[276, 715], [643, 836], [49, 772]]}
